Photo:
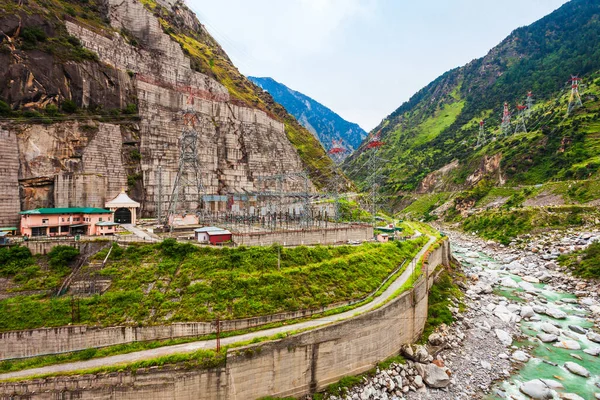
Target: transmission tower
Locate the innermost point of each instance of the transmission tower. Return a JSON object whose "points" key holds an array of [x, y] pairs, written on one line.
{"points": [[506, 131], [575, 100], [481, 137], [373, 145], [187, 194], [529, 103], [520, 125], [337, 151]]}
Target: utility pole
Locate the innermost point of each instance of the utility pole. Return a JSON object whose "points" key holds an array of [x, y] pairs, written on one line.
{"points": [[481, 137], [506, 131], [575, 99], [278, 258], [218, 335]]}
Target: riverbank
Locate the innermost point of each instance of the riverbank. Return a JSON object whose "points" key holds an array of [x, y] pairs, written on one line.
{"points": [[528, 331]]}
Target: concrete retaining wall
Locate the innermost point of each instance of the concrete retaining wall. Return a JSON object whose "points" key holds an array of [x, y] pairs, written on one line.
{"points": [[36, 342], [306, 237], [293, 366]]}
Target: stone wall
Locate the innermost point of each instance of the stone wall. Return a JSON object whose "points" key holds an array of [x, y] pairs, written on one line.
{"points": [[294, 366], [306, 236], [36, 342], [9, 179]]}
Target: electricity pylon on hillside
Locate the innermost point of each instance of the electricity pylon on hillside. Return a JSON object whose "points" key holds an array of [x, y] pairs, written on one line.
{"points": [[337, 151], [481, 137], [373, 146], [529, 103], [575, 99], [187, 194], [520, 125], [505, 126]]}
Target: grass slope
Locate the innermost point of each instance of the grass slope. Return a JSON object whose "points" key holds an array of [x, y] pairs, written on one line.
{"points": [[171, 282]]}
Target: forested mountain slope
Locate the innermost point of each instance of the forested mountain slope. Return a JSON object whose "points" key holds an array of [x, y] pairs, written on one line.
{"points": [[437, 129]]}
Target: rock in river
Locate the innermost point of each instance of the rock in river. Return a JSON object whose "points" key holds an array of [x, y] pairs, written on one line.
{"points": [[577, 329], [520, 356], [577, 369], [549, 328], [556, 313], [593, 336], [547, 338], [568, 344], [527, 312], [536, 389], [593, 351], [509, 282]]}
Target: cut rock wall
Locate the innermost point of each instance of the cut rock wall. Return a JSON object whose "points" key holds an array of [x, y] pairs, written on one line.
{"points": [[87, 163], [294, 366], [9, 179], [236, 144]]}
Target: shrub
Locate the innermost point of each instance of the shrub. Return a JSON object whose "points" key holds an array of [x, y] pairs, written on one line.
{"points": [[32, 35], [52, 110], [14, 259], [69, 106], [5, 108], [130, 109], [60, 256]]}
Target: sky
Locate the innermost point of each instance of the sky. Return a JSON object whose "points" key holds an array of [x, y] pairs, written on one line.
{"points": [[361, 58]]}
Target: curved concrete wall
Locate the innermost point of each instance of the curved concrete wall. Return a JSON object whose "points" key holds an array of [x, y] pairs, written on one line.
{"points": [[293, 366]]}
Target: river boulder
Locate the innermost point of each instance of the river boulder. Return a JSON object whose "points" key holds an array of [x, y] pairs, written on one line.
{"points": [[577, 369], [536, 389]]}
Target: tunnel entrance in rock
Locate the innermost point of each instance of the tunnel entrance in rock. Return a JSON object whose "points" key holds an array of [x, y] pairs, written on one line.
{"points": [[123, 216]]}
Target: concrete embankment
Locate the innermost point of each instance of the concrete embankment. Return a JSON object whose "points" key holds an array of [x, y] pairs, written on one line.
{"points": [[293, 366]]}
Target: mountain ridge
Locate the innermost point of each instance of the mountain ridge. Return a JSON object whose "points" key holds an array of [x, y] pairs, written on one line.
{"points": [[439, 124], [320, 120]]}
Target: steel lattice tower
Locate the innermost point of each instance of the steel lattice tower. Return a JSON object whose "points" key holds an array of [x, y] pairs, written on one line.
{"points": [[505, 126], [529, 103], [520, 125], [374, 145], [575, 99], [337, 151], [481, 137], [188, 190]]}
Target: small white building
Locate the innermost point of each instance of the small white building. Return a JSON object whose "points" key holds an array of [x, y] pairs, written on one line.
{"points": [[124, 208]]}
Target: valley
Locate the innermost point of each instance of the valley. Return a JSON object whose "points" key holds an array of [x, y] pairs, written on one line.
{"points": [[173, 227]]}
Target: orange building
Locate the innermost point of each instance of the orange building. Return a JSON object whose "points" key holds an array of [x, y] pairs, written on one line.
{"points": [[67, 221]]}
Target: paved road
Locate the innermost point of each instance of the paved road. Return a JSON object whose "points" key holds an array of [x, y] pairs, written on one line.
{"points": [[211, 344], [139, 233]]}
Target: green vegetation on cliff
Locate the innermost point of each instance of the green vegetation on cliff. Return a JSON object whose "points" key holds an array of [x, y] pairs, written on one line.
{"points": [[504, 225], [172, 282], [583, 263]]}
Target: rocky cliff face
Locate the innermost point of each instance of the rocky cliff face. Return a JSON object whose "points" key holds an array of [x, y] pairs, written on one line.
{"points": [[84, 159]]}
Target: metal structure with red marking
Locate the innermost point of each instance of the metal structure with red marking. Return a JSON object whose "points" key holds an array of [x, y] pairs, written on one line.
{"points": [[375, 141], [506, 131], [575, 99]]}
